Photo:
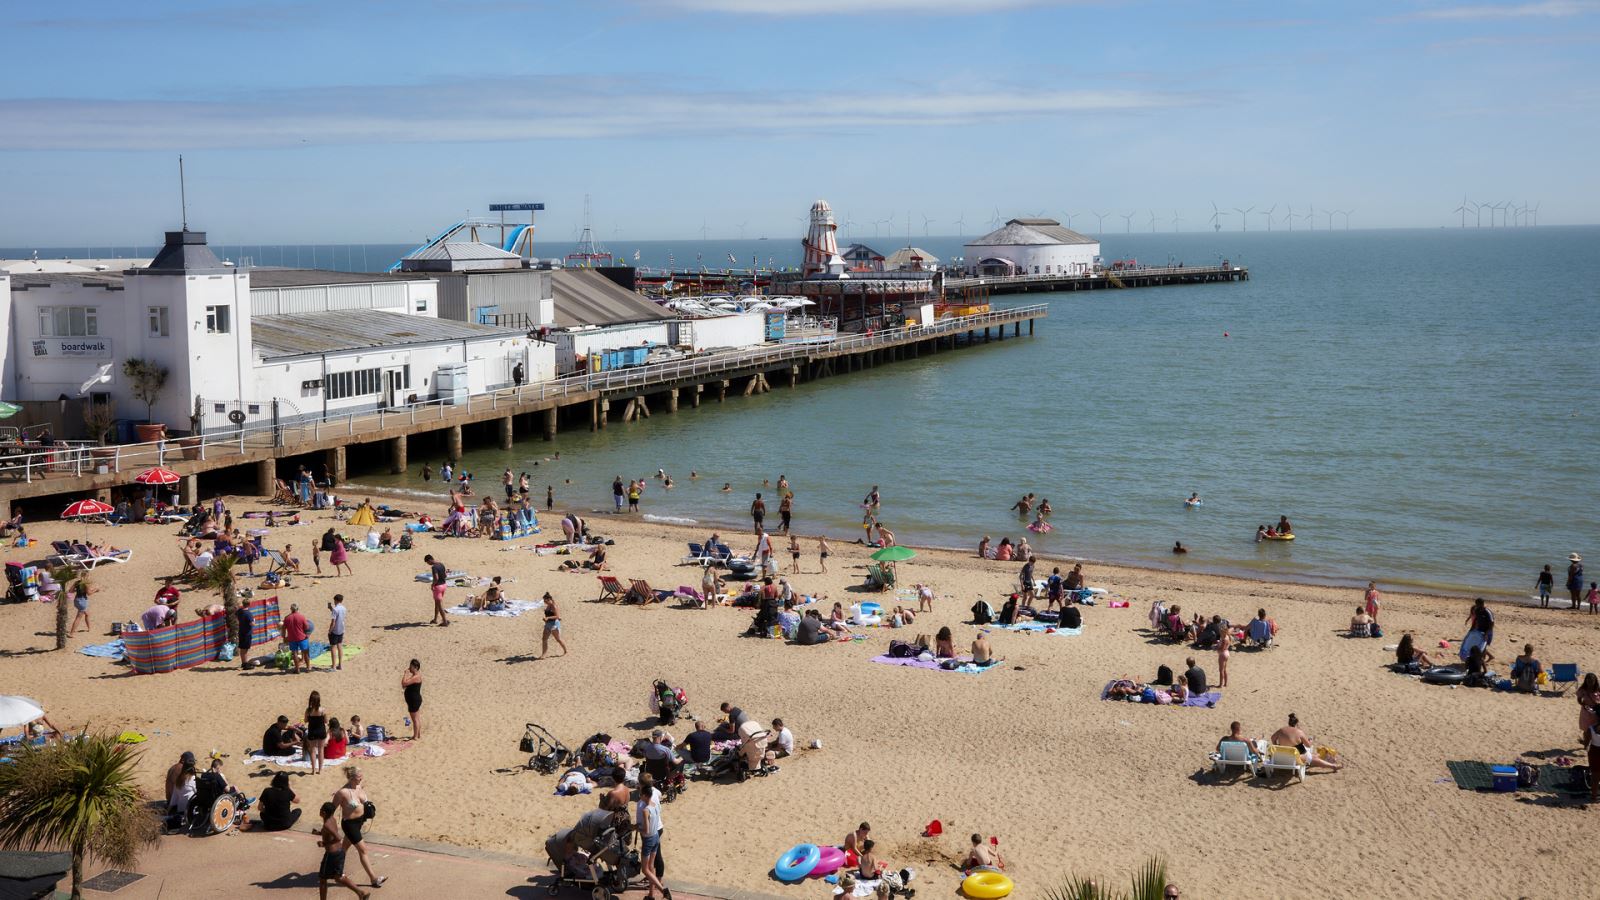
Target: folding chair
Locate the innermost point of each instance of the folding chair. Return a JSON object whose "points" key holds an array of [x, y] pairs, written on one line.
{"points": [[1564, 674], [1233, 754], [1283, 759], [610, 588]]}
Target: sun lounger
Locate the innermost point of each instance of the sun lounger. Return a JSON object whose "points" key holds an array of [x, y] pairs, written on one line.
{"points": [[691, 597], [87, 560], [880, 577], [64, 552], [610, 588], [1233, 754], [1283, 759]]}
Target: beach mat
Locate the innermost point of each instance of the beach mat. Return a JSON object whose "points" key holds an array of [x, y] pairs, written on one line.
{"points": [[1476, 776], [1041, 628], [912, 662], [108, 650], [325, 658], [356, 753], [512, 609]]}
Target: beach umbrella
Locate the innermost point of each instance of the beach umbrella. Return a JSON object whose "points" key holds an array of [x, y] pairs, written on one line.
{"points": [[158, 475], [85, 509], [16, 711], [7, 410], [894, 554]]}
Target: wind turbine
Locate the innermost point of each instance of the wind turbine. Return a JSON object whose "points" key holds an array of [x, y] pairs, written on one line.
{"points": [[961, 226], [1070, 216], [1127, 221], [1346, 213], [847, 224], [1152, 221], [1330, 213], [995, 221], [1176, 218], [1311, 217], [1244, 217], [925, 223], [1101, 228], [704, 229], [1268, 213], [742, 227], [1463, 210], [1216, 217], [1288, 218], [1536, 214]]}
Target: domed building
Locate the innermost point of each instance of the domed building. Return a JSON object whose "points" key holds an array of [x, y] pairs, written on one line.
{"points": [[1033, 247]]}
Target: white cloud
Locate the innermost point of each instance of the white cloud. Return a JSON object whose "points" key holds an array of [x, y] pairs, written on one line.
{"points": [[1544, 9], [520, 110]]}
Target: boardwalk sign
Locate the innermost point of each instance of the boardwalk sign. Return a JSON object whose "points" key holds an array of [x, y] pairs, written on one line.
{"points": [[76, 347]]}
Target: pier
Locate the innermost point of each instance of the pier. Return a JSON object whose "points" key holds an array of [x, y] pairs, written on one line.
{"points": [[1104, 279], [595, 399]]}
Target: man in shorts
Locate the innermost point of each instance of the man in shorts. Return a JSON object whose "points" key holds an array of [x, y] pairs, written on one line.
{"points": [[336, 618], [296, 628], [331, 840], [441, 578]]}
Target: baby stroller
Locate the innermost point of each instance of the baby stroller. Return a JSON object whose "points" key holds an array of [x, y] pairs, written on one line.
{"points": [[605, 869], [545, 753], [596, 754], [667, 703]]}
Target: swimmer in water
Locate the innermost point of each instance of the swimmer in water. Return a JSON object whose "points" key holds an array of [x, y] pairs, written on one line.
{"points": [[1178, 547], [1044, 507], [666, 481], [1194, 499], [693, 475], [727, 487], [660, 474]]}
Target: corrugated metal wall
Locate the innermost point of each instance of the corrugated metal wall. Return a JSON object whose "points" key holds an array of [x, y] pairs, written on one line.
{"points": [[453, 298], [326, 297]]}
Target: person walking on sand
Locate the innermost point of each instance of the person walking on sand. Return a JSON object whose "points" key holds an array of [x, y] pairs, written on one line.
{"points": [[822, 552], [316, 732], [648, 819], [336, 619], [794, 554], [1373, 600], [81, 589], [758, 512], [333, 847], [411, 687], [339, 556], [316, 554], [355, 807], [1224, 646], [441, 577], [552, 626]]}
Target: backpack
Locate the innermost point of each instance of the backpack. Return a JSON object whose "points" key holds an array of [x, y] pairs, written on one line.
{"points": [[982, 613], [901, 650], [1163, 675], [1376, 631]]}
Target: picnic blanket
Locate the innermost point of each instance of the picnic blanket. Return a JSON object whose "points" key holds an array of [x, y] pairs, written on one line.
{"points": [[108, 650], [509, 609], [966, 667], [353, 753], [1207, 700], [1475, 776], [198, 641], [1042, 628]]}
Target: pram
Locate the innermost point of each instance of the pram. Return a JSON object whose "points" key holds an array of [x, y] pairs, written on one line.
{"points": [[668, 703], [605, 869], [749, 759], [545, 753]]}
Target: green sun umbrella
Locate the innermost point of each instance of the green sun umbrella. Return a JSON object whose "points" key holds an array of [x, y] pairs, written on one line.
{"points": [[7, 410], [894, 554]]}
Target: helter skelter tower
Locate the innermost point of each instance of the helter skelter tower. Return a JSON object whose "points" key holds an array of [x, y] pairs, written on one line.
{"points": [[821, 244]]}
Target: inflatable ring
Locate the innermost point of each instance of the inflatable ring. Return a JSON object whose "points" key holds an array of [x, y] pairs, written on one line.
{"points": [[986, 884], [798, 862], [1445, 675], [1277, 537], [829, 862]]}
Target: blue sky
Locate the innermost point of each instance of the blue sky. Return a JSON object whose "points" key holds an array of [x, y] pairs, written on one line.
{"points": [[362, 121]]}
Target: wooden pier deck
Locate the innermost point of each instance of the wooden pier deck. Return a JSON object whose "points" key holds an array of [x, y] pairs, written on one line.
{"points": [[497, 417], [1144, 276]]}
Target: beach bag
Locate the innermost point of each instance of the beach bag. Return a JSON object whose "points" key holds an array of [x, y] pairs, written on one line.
{"points": [[376, 734], [282, 659], [227, 652], [370, 810], [1163, 675], [1376, 631], [1148, 695], [901, 650], [950, 665]]}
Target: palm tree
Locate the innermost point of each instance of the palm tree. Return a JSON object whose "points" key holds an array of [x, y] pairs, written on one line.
{"points": [[219, 577], [63, 576], [81, 796], [1149, 883]]}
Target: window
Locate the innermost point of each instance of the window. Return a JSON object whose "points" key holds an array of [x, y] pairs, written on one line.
{"points": [[422, 304], [405, 376], [354, 384], [158, 321], [69, 321], [217, 320]]}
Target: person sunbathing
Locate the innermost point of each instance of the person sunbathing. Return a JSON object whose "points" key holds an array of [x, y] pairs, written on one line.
{"points": [[944, 646], [1290, 735], [1408, 656], [982, 653], [1236, 733], [1361, 623], [1123, 688]]}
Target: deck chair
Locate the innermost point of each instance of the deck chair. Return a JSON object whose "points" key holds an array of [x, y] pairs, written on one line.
{"points": [[691, 598], [1259, 633], [879, 577], [1283, 759], [1233, 754], [697, 555], [610, 588], [279, 564], [190, 567], [640, 592], [1564, 675]]}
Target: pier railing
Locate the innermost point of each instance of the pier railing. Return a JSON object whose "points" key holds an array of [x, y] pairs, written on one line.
{"points": [[82, 460], [1098, 274]]}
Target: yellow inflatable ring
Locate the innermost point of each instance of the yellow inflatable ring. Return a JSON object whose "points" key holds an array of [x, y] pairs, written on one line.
{"points": [[985, 885]]}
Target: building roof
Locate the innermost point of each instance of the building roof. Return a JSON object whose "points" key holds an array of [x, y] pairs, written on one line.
{"points": [[910, 258], [304, 334], [111, 281], [282, 278], [1022, 232], [22, 266], [586, 297], [457, 251], [184, 252], [860, 251]]}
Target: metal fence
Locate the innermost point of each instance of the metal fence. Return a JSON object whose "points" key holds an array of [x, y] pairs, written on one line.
{"points": [[82, 459]]}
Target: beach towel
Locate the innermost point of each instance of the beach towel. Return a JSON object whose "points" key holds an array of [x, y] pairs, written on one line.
{"points": [[198, 641], [1207, 700], [325, 656], [1558, 780], [1042, 628], [509, 609], [354, 753], [966, 668], [452, 574], [108, 650]]}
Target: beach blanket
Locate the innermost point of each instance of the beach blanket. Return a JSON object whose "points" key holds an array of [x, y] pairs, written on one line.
{"points": [[1561, 781], [1042, 628], [325, 656], [966, 668], [197, 641], [355, 753], [1207, 700], [509, 609], [453, 573], [108, 650]]}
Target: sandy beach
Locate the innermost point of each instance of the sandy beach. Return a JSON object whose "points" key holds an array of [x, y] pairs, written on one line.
{"points": [[1026, 752]]}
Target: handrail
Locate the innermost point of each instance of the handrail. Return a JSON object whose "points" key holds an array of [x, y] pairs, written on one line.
{"points": [[966, 280], [85, 458]]}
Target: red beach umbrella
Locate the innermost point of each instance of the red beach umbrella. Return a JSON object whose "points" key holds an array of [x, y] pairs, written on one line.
{"points": [[158, 475], [86, 508]]}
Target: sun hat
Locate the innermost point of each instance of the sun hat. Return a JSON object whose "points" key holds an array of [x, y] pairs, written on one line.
{"points": [[1573, 557]]}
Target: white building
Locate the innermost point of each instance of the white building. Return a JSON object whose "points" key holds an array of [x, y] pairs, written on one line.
{"points": [[594, 314], [1033, 247], [263, 343], [486, 285]]}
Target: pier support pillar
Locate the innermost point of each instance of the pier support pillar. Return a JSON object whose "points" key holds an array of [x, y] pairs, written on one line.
{"points": [[267, 478], [335, 458], [694, 398], [1017, 331], [508, 433], [794, 376], [452, 443], [986, 334], [672, 400], [189, 490], [397, 455], [643, 410], [594, 415], [605, 412], [722, 390], [1030, 327], [550, 423]]}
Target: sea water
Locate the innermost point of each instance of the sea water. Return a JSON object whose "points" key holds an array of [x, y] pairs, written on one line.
{"points": [[1423, 405]]}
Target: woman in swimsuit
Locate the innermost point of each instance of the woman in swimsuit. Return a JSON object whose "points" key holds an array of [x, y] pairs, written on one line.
{"points": [[316, 732], [1224, 642], [411, 685], [552, 626], [944, 645], [353, 801]]}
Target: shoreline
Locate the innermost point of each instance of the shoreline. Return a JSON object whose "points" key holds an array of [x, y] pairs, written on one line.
{"points": [[1411, 588]]}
